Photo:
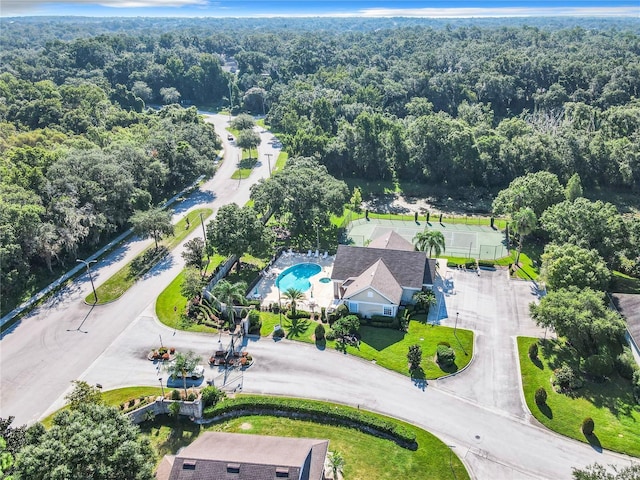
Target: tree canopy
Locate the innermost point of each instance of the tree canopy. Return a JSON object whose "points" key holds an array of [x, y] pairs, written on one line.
{"points": [[568, 265]]}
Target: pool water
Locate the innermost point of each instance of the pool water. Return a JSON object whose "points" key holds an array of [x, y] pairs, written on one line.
{"points": [[325, 280], [298, 276]]}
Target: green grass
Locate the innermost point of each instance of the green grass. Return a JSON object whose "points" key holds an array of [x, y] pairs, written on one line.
{"points": [[246, 166], [115, 286], [366, 457], [621, 283], [280, 162], [170, 303], [610, 404], [389, 347], [113, 398]]}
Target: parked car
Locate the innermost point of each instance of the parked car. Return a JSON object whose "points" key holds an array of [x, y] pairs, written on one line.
{"points": [[230, 137]]}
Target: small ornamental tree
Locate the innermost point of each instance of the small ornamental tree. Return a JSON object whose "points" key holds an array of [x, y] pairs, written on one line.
{"points": [[445, 355], [414, 356], [541, 396], [588, 426], [319, 333], [533, 351]]}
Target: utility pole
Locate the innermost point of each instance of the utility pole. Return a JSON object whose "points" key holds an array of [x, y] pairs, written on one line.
{"points": [[204, 235], [87, 263]]}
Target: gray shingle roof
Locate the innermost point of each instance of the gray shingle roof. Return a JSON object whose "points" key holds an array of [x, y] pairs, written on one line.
{"points": [[407, 267], [629, 306], [392, 241], [233, 456], [379, 277]]}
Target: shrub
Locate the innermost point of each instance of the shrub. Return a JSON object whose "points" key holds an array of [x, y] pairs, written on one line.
{"points": [[541, 396], [255, 324], [342, 310], [319, 332], [533, 351], [191, 397], [636, 385], [175, 395], [588, 426], [565, 379], [323, 314], [414, 356], [174, 409], [348, 324], [330, 335], [445, 355], [163, 350], [278, 333], [599, 365], [625, 364], [382, 319]]}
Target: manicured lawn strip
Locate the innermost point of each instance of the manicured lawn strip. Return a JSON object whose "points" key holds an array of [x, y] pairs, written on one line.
{"points": [[389, 347], [171, 297], [621, 283], [113, 398], [280, 162], [366, 456], [610, 404], [115, 286], [246, 166]]}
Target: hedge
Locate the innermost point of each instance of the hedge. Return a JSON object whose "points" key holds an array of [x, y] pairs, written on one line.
{"points": [[327, 413]]}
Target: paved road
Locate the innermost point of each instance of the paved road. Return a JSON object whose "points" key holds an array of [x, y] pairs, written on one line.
{"points": [[41, 354], [480, 411]]}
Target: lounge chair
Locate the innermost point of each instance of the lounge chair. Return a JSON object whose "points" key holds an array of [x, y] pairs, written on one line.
{"points": [[326, 254], [317, 254], [309, 253]]}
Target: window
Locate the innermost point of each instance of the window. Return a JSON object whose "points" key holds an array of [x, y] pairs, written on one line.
{"points": [[370, 294], [282, 472], [233, 468], [387, 311], [189, 465], [353, 307]]}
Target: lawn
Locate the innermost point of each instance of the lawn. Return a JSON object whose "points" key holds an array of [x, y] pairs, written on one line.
{"points": [[366, 456], [621, 283], [610, 404], [387, 347], [115, 286]]}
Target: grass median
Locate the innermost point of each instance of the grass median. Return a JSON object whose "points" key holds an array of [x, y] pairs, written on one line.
{"points": [[124, 278], [610, 404]]}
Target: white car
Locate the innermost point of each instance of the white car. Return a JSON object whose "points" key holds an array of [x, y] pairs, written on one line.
{"points": [[196, 373]]}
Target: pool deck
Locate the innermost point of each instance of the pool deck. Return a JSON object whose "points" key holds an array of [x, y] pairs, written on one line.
{"points": [[320, 293]]}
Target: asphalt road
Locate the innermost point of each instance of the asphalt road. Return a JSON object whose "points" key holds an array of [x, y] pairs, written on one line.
{"points": [[479, 412]]}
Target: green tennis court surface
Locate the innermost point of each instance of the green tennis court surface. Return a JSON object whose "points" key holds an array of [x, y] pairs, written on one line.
{"points": [[461, 240]]}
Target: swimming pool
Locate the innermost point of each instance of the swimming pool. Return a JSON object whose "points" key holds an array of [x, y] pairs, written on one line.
{"points": [[298, 276]]}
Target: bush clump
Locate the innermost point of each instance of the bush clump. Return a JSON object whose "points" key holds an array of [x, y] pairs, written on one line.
{"points": [[445, 355], [319, 333], [636, 385], [599, 365], [175, 395], [588, 426], [541, 396], [255, 324], [533, 351], [332, 414], [625, 364], [565, 379]]}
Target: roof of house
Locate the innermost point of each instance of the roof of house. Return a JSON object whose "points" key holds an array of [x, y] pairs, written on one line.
{"points": [[430, 271], [237, 456], [629, 306], [392, 241], [407, 267], [379, 277]]}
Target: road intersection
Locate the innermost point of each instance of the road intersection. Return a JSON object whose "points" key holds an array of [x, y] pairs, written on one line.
{"points": [[480, 411]]}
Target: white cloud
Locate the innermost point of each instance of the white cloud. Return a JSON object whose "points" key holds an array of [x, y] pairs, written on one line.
{"points": [[501, 12], [26, 7]]}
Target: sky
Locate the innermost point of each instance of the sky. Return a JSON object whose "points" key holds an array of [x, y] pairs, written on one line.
{"points": [[291, 8]]}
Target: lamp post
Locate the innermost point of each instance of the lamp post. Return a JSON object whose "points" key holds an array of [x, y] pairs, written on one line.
{"points": [[455, 325], [279, 305], [161, 387], [87, 263]]}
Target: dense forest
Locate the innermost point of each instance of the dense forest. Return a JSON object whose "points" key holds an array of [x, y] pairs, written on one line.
{"points": [[460, 104]]}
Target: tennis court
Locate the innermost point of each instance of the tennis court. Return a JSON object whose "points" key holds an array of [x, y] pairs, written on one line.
{"points": [[461, 240]]}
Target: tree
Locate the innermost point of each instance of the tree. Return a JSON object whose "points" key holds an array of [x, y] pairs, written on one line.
{"points": [[228, 293], [154, 223], [192, 283], [538, 191], [573, 189], [170, 95], [248, 139], [294, 295], [523, 222], [336, 462], [599, 472], [355, 202], [568, 265], [243, 122], [82, 394], [193, 253], [424, 299], [431, 239], [6, 460], [414, 356], [93, 441], [592, 225], [181, 366], [583, 317]]}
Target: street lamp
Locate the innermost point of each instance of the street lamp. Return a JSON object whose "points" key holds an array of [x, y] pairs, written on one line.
{"points": [[279, 304], [456, 324], [161, 387], [87, 263]]}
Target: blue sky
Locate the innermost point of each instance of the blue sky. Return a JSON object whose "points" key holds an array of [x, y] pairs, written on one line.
{"points": [[368, 8]]}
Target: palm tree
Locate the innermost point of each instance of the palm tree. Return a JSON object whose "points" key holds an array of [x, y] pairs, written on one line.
{"points": [[294, 295], [523, 222], [181, 365], [431, 239], [336, 462], [227, 293]]}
